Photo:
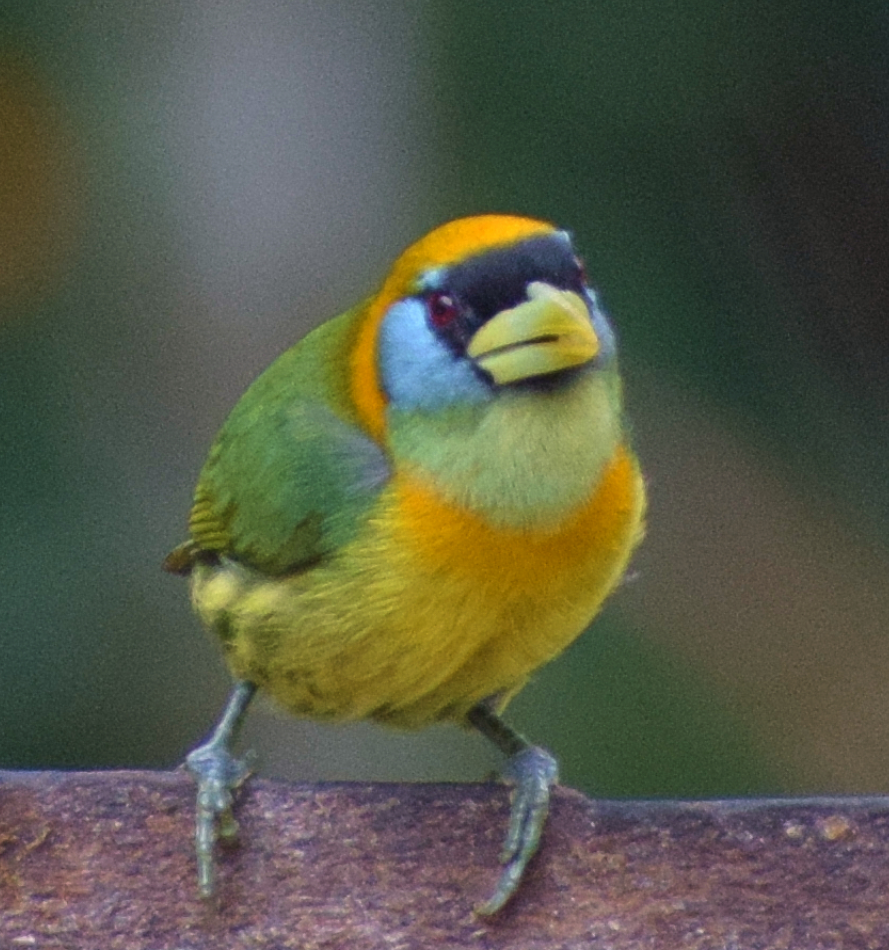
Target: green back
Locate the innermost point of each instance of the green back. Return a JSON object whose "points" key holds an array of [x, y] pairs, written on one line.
{"points": [[291, 475]]}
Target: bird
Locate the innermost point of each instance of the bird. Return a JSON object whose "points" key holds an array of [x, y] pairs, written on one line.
{"points": [[415, 507]]}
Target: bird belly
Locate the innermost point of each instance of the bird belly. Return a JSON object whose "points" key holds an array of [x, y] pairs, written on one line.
{"points": [[429, 610]]}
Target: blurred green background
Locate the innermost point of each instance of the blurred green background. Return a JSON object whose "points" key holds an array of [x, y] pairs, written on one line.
{"points": [[186, 188]]}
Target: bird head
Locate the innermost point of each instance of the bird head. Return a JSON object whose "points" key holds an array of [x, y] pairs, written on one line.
{"points": [[478, 305]]}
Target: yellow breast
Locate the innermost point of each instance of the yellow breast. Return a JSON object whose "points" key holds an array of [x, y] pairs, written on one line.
{"points": [[430, 609]]}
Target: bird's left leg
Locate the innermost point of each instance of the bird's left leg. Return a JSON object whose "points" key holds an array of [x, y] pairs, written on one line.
{"points": [[218, 774], [533, 772]]}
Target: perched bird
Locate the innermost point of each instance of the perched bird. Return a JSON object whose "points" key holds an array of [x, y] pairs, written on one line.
{"points": [[416, 506]]}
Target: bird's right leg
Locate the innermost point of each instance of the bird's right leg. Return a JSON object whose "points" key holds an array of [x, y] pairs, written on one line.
{"points": [[218, 774]]}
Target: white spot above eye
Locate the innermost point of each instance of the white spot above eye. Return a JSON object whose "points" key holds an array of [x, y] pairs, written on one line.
{"points": [[417, 370], [432, 279]]}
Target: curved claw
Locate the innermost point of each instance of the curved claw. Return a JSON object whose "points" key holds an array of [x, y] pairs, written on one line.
{"points": [[534, 771]]}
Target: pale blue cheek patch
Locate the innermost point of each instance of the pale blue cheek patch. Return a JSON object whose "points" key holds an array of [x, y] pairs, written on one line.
{"points": [[417, 370]]}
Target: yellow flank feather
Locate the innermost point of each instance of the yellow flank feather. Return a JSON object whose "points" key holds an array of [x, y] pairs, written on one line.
{"points": [[204, 524], [430, 610]]}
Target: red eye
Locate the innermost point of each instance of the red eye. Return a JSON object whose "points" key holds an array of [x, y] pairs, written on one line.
{"points": [[443, 310]]}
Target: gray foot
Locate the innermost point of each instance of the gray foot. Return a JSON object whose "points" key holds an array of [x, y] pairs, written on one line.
{"points": [[534, 772]]}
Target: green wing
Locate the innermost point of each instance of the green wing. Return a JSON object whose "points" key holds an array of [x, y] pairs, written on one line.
{"points": [[290, 476]]}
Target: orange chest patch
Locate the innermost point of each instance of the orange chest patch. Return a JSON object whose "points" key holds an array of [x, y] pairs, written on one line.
{"points": [[456, 541]]}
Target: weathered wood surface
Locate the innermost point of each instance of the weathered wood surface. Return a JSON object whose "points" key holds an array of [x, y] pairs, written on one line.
{"points": [[104, 860]]}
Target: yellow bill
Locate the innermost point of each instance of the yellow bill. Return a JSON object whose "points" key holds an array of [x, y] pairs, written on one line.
{"points": [[548, 332]]}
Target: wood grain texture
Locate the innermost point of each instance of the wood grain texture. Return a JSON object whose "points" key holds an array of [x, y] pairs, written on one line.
{"points": [[104, 860]]}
